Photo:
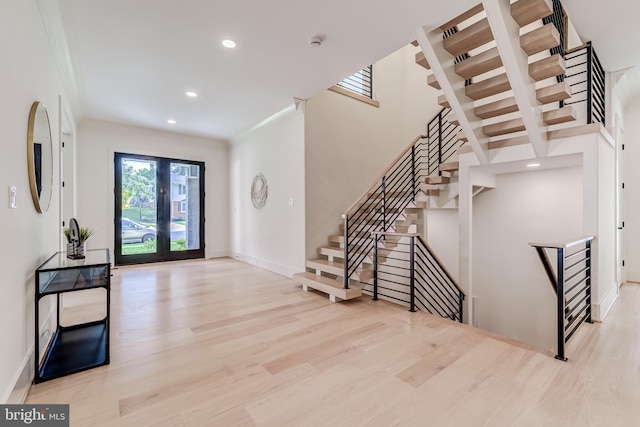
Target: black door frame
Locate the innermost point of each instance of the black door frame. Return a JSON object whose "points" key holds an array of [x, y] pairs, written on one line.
{"points": [[163, 212]]}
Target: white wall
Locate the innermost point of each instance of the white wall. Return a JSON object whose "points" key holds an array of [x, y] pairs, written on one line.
{"points": [[514, 296], [632, 189], [28, 74], [272, 237], [442, 235], [349, 143], [96, 144]]}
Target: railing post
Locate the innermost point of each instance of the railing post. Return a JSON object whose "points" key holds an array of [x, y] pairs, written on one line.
{"points": [[589, 83], [561, 305], [345, 280], [439, 142], [413, 173], [412, 286], [460, 303], [589, 281], [375, 267], [384, 210]]}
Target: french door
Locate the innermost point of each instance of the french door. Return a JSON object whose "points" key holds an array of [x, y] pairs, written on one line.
{"points": [[159, 209]]}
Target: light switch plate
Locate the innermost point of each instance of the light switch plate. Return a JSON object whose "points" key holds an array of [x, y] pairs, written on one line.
{"points": [[12, 197]]}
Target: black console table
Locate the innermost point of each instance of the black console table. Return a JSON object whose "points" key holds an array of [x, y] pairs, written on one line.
{"points": [[72, 348]]}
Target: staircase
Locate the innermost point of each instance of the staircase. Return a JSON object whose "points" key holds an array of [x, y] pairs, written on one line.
{"points": [[469, 51], [326, 273]]}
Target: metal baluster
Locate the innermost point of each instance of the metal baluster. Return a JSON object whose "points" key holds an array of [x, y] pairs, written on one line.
{"points": [[589, 83], [375, 267], [411, 276], [560, 306], [345, 280], [439, 142], [413, 173], [588, 244], [384, 211]]}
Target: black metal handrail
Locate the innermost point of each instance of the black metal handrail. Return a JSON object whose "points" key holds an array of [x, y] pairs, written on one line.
{"points": [[571, 281], [397, 187], [405, 269], [586, 77]]}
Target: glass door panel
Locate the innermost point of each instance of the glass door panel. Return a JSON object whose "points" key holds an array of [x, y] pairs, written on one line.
{"points": [[185, 206], [139, 216]]}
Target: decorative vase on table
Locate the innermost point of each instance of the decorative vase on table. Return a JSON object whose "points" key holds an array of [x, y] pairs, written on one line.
{"points": [[76, 252]]}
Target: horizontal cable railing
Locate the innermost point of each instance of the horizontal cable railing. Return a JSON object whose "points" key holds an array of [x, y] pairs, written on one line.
{"points": [[361, 82], [571, 281], [406, 270], [586, 77]]}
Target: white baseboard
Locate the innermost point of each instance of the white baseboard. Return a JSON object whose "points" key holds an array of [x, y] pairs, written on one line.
{"points": [[22, 379], [283, 270], [218, 254], [601, 309], [21, 382]]}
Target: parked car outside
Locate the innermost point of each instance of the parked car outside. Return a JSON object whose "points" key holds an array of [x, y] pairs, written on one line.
{"points": [[132, 232]]}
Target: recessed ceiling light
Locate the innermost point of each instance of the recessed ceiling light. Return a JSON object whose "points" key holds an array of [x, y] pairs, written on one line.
{"points": [[191, 94], [228, 43], [171, 121], [533, 165]]}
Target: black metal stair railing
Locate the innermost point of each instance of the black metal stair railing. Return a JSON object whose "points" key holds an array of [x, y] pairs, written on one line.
{"points": [[406, 270], [571, 281], [397, 187], [586, 77]]}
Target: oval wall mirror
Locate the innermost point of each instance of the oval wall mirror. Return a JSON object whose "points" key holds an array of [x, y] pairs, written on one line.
{"points": [[40, 157]]}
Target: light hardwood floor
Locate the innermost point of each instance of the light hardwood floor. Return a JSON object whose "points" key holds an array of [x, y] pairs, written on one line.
{"points": [[221, 343]]}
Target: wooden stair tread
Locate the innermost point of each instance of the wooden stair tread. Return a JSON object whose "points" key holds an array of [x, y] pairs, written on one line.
{"points": [[432, 192], [503, 128], [485, 88], [421, 60], [469, 38], [331, 251], [443, 101], [479, 64], [547, 67], [508, 142], [464, 149], [453, 119], [449, 166], [433, 82], [437, 180], [462, 137], [553, 93], [540, 39], [333, 267], [560, 115], [327, 285], [497, 108], [525, 12], [462, 17]]}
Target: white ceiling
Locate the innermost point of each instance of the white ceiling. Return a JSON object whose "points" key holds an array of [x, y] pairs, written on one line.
{"points": [[133, 60]]}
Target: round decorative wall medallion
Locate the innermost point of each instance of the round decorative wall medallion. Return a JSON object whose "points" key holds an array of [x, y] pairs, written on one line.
{"points": [[259, 191]]}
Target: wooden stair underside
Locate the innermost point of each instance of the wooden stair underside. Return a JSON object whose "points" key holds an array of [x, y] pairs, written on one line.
{"points": [[437, 180], [462, 17], [560, 115], [503, 128], [485, 88], [422, 61], [540, 39], [469, 38], [497, 108], [525, 12], [433, 82], [479, 64], [327, 285], [547, 67], [443, 102], [553, 93]]}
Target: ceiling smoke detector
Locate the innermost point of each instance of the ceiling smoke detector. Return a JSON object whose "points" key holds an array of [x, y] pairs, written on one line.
{"points": [[315, 41]]}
